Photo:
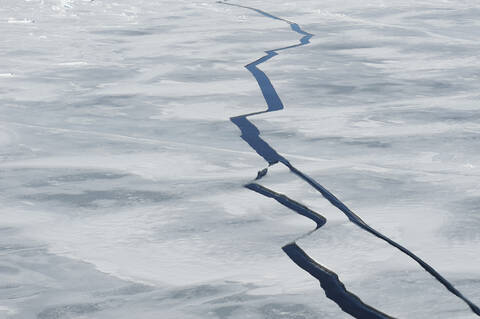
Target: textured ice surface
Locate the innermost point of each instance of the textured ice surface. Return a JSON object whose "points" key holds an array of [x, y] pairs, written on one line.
{"points": [[121, 175]]}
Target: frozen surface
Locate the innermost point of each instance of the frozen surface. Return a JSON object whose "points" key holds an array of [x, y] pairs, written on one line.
{"points": [[121, 175]]}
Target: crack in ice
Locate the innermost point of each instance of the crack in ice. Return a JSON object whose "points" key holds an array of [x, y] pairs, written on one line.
{"points": [[329, 281]]}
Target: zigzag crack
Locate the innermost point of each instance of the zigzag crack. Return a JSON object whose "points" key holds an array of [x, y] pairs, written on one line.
{"points": [[329, 281]]}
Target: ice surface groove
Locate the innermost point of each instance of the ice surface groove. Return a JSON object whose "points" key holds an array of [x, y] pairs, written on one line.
{"points": [[287, 202], [354, 218], [329, 281], [334, 289]]}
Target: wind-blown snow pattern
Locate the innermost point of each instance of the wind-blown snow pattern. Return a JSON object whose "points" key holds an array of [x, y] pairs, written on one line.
{"points": [[329, 281]]}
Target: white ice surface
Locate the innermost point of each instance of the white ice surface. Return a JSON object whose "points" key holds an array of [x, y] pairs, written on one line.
{"points": [[121, 175]]}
